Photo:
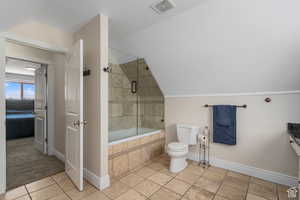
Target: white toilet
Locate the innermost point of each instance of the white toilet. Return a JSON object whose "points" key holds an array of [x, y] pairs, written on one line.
{"points": [[178, 151]]}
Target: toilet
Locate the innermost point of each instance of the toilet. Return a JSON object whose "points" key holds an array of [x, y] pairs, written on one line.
{"points": [[178, 151]]}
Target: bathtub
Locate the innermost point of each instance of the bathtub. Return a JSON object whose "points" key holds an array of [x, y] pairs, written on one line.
{"points": [[128, 151], [119, 136]]}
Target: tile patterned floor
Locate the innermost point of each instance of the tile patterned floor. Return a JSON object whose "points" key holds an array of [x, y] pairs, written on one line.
{"points": [[154, 182]]}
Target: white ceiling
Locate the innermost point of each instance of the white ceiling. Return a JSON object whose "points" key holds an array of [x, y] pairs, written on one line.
{"points": [[200, 47], [126, 16], [230, 46]]}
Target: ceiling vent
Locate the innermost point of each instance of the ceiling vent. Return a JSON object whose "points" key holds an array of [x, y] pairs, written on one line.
{"points": [[162, 6]]}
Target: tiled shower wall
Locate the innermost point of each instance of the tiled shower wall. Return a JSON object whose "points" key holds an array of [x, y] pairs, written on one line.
{"points": [[151, 99], [144, 109], [122, 103]]}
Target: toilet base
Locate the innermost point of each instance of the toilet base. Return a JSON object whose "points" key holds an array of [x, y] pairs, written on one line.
{"points": [[178, 164]]}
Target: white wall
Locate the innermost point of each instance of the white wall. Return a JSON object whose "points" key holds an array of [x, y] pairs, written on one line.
{"points": [[262, 141], [222, 46]]}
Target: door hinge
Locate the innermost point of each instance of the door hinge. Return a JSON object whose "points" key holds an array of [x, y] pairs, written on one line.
{"points": [[46, 107], [46, 140]]}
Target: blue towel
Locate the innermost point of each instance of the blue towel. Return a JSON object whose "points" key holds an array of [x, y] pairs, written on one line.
{"points": [[224, 124]]}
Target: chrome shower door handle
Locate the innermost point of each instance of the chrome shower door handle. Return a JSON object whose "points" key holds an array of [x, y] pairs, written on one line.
{"points": [[133, 87], [76, 124]]}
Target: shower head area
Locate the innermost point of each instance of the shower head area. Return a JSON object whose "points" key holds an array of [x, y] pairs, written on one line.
{"points": [[136, 103]]}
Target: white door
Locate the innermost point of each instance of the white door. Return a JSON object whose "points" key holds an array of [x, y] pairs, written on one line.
{"points": [[40, 109], [74, 114]]}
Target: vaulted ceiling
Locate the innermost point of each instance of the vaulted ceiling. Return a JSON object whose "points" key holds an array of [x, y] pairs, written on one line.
{"points": [[219, 47], [200, 47], [126, 16]]}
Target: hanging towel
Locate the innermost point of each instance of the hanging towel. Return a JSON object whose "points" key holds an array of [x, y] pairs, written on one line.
{"points": [[224, 124]]}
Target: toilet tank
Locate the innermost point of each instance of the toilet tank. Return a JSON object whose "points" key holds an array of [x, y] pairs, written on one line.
{"points": [[187, 134]]}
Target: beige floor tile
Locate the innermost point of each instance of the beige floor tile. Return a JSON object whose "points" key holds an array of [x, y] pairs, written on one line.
{"points": [[196, 169], [145, 172], [147, 188], [239, 176], [165, 194], [236, 183], [60, 197], [35, 186], [160, 178], [66, 185], [209, 185], [15, 193], [157, 166], [217, 170], [231, 193], [76, 194], [131, 195], [132, 180], [167, 172], [60, 177], [26, 197], [96, 196], [197, 193], [263, 182], [46, 193], [214, 176], [116, 190], [177, 186], [254, 197], [219, 198], [188, 176], [262, 191]]}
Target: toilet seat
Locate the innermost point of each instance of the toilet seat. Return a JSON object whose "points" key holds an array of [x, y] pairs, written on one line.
{"points": [[177, 147]]}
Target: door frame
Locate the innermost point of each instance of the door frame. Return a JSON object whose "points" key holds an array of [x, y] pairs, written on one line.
{"points": [[10, 37]]}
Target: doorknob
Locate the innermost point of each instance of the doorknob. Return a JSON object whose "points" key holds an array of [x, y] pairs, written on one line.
{"points": [[76, 124], [84, 122]]}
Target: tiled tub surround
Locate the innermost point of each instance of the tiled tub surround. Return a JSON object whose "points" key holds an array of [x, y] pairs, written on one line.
{"points": [[134, 152]]}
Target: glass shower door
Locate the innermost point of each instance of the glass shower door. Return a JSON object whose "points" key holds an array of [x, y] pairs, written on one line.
{"points": [[150, 101], [123, 102]]}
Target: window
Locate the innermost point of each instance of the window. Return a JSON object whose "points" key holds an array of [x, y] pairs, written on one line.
{"points": [[13, 90], [18, 91], [28, 91]]}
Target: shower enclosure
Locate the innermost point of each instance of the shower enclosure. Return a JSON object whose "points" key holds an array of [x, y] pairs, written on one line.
{"points": [[136, 103]]}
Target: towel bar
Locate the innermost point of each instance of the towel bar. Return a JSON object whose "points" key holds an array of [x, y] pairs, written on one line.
{"points": [[242, 106]]}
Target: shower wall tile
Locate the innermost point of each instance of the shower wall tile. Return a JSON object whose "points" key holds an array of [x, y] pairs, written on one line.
{"points": [[117, 80], [117, 69], [144, 109], [117, 94], [116, 110]]}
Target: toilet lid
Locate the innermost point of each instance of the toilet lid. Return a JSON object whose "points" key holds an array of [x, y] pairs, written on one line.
{"points": [[176, 146]]}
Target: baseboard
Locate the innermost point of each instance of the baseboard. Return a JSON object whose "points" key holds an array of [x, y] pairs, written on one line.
{"points": [[104, 182], [59, 155], [99, 182], [2, 189], [251, 171]]}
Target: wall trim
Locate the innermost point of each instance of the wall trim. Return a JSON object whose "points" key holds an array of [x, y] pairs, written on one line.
{"points": [[32, 43], [59, 155], [272, 176], [99, 182], [235, 94]]}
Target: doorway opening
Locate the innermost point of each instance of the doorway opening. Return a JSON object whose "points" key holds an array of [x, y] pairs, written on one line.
{"points": [[26, 95]]}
